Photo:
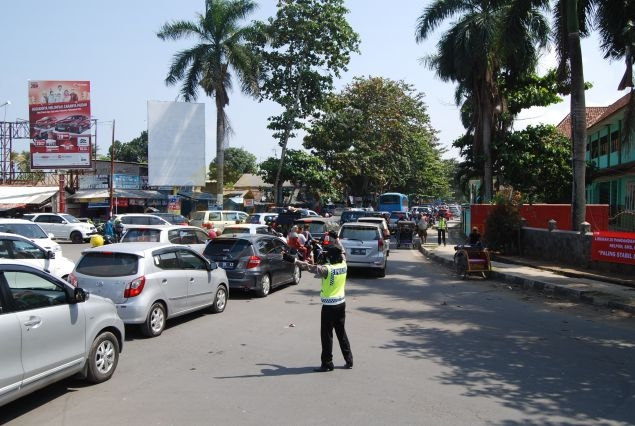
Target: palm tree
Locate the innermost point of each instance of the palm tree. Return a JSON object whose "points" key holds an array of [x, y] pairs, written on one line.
{"points": [[222, 46], [490, 38]]}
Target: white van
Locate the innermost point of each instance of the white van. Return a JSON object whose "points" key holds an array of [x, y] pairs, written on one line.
{"points": [[220, 218]]}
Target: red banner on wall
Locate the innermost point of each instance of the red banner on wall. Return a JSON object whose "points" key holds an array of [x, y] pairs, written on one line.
{"points": [[616, 247]]}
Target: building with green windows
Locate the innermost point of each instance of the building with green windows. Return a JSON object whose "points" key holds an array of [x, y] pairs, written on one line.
{"points": [[612, 153]]}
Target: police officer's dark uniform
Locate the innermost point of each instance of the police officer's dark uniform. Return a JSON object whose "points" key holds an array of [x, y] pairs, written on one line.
{"points": [[333, 314]]}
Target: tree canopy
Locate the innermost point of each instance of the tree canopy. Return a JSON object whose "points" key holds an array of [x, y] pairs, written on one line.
{"points": [[376, 135], [237, 162]]}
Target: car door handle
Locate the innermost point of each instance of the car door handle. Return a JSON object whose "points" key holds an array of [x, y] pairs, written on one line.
{"points": [[164, 281], [191, 280], [33, 322]]}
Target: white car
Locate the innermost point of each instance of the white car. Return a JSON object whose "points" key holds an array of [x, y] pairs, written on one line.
{"points": [[51, 331], [245, 228], [17, 247], [32, 231], [191, 236], [365, 246], [63, 226]]}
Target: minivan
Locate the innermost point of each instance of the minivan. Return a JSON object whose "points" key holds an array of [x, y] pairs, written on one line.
{"points": [[220, 218]]}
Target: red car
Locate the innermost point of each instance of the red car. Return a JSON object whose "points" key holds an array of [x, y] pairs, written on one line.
{"points": [[45, 122], [73, 124]]}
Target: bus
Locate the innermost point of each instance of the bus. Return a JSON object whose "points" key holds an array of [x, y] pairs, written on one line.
{"points": [[393, 202]]}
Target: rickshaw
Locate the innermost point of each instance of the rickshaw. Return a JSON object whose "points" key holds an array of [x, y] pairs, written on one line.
{"points": [[406, 230], [472, 260]]}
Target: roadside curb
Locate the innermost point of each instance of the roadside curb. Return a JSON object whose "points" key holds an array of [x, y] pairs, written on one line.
{"points": [[593, 297]]}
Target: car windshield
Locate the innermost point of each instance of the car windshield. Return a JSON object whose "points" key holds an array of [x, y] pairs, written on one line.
{"points": [[107, 264], [28, 230], [235, 230], [146, 235], [69, 218], [229, 247], [253, 218]]}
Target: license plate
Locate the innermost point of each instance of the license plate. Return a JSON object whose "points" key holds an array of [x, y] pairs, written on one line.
{"points": [[226, 264], [358, 251]]}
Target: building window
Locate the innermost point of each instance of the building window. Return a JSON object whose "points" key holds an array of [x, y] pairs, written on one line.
{"points": [[604, 145], [594, 149], [616, 142]]}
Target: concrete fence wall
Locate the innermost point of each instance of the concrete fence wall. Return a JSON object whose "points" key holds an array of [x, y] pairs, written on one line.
{"points": [[570, 248]]}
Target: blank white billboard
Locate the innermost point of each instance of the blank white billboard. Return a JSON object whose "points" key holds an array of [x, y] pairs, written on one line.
{"points": [[176, 144]]}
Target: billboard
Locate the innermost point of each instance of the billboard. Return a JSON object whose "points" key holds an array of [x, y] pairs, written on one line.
{"points": [[614, 247], [176, 144], [59, 118]]}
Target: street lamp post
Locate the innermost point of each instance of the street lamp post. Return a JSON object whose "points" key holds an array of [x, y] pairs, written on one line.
{"points": [[6, 153]]}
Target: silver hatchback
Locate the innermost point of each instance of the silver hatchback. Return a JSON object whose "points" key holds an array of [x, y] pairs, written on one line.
{"points": [[365, 246], [51, 330], [152, 282]]}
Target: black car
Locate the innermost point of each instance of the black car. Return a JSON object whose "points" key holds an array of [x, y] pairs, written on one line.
{"points": [[253, 262]]}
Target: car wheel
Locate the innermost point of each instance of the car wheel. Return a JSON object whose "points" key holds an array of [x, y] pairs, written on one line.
{"points": [[76, 237], [155, 323], [297, 274], [382, 272], [103, 358], [265, 286], [220, 300]]}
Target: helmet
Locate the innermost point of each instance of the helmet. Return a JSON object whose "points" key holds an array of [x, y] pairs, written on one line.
{"points": [[334, 254]]}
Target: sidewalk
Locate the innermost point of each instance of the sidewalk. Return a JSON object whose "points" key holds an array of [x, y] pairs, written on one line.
{"points": [[609, 291]]}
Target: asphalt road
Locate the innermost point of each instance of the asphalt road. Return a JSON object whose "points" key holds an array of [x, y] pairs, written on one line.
{"points": [[429, 349]]}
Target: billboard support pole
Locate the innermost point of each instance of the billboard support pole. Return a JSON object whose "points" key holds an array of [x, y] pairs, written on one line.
{"points": [[62, 194], [112, 169]]}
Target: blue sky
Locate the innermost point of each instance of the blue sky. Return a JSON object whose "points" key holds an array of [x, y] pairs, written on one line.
{"points": [[113, 44]]}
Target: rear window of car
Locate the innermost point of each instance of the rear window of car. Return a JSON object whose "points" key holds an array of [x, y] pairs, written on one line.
{"points": [[359, 233], [29, 230], [235, 230], [145, 235], [226, 247], [105, 264]]}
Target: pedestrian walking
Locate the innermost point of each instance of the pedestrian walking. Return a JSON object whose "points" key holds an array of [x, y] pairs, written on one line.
{"points": [[333, 315], [442, 226]]}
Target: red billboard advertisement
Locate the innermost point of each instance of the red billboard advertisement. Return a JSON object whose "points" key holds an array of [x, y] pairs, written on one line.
{"points": [[616, 247], [59, 118]]}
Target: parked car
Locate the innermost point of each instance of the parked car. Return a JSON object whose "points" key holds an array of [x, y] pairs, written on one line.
{"points": [[261, 218], [51, 331], [318, 226], [73, 124], [352, 215], [364, 246], [63, 226], [394, 217], [220, 218], [13, 246], [32, 231], [383, 225], [190, 236], [245, 228], [152, 282], [173, 218], [140, 219], [253, 262]]}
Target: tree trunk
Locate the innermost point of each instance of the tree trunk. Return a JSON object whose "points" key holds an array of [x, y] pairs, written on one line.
{"points": [[220, 153], [578, 119]]}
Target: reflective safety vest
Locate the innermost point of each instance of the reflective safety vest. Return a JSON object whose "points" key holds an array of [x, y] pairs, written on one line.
{"points": [[332, 292], [442, 224]]}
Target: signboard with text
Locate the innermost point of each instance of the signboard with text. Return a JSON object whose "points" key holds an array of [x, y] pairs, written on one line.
{"points": [[615, 247], [59, 119]]}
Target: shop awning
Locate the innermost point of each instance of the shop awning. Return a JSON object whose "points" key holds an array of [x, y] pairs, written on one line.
{"points": [[13, 197], [87, 194]]}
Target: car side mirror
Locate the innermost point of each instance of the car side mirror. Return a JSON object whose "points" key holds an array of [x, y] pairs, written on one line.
{"points": [[79, 295], [63, 222], [51, 236], [49, 254], [211, 265]]}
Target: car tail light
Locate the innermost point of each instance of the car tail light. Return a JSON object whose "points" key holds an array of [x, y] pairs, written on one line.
{"points": [[72, 279], [134, 287], [380, 244], [253, 262]]}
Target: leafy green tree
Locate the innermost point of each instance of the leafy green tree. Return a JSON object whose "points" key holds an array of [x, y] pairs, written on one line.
{"points": [[222, 47], [135, 151], [487, 39], [376, 135], [303, 48], [304, 170], [237, 162], [537, 162]]}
